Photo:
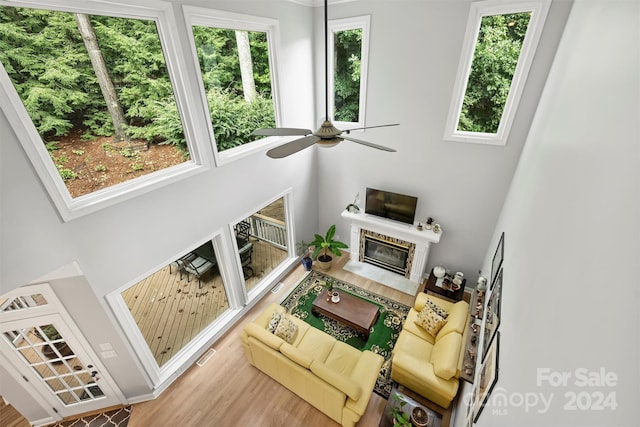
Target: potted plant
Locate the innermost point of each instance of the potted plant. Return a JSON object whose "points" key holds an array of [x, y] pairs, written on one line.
{"points": [[305, 251], [325, 246], [400, 418], [419, 417]]}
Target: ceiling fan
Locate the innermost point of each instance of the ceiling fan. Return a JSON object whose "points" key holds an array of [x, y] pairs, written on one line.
{"points": [[327, 135]]}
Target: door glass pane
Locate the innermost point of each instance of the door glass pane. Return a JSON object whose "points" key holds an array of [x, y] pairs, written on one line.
{"points": [[234, 65], [45, 350], [174, 304], [104, 117], [262, 242], [22, 302]]}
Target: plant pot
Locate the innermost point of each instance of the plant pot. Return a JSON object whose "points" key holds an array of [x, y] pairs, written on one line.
{"points": [[324, 262], [419, 417], [307, 262]]}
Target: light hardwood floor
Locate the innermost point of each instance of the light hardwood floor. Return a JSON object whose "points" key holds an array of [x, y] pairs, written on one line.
{"points": [[228, 392], [9, 417]]}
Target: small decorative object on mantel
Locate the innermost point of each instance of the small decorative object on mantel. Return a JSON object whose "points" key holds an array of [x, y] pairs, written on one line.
{"points": [[436, 228], [353, 207], [419, 227], [429, 223]]}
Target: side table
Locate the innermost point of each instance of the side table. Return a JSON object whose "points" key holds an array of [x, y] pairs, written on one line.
{"points": [[441, 288], [438, 417]]}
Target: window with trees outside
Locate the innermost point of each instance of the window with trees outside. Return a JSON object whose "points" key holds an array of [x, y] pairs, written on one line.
{"points": [[348, 58], [234, 54], [499, 48], [90, 96]]}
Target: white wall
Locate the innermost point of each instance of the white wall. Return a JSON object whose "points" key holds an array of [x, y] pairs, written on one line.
{"points": [[572, 235], [413, 60], [415, 48], [116, 246]]}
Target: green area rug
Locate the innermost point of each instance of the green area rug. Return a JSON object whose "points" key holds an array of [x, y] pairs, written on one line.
{"points": [[385, 331]]}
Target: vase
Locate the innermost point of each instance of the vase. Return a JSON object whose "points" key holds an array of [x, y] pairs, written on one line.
{"points": [[439, 271], [307, 262]]}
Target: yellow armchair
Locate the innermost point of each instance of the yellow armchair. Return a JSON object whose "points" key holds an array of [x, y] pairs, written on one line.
{"points": [[430, 365]]}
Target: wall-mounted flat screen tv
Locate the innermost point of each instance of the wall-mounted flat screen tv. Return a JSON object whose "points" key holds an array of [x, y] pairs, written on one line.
{"points": [[386, 204]]}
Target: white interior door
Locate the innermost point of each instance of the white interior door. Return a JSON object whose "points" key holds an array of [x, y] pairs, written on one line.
{"points": [[49, 355]]}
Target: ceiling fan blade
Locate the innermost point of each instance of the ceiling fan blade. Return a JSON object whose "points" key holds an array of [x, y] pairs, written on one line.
{"points": [[371, 127], [292, 147], [280, 132], [368, 144]]}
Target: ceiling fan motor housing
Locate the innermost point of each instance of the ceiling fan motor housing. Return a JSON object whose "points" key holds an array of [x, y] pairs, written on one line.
{"points": [[328, 134]]}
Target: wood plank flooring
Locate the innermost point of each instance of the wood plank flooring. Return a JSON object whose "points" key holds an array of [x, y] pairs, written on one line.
{"points": [[227, 391], [9, 417], [171, 309]]}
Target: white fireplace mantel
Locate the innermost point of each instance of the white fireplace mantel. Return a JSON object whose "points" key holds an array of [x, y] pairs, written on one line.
{"points": [[421, 238]]}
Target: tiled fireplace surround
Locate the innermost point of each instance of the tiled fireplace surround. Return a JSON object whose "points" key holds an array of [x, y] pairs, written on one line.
{"points": [[395, 232]]}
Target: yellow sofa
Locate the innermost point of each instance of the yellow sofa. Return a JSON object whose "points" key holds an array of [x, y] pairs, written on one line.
{"points": [[430, 365], [329, 374]]}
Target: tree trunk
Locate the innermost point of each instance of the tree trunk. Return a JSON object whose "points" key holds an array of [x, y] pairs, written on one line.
{"points": [[246, 66], [102, 74]]}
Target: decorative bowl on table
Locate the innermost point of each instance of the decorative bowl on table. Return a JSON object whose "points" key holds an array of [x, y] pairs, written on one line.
{"points": [[419, 417]]}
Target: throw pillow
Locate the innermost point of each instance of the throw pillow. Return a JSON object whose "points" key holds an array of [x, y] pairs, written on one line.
{"points": [[273, 323], [430, 321], [286, 330], [435, 307]]}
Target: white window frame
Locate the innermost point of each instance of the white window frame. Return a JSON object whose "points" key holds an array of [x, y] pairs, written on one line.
{"points": [[162, 376], [334, 26], [70, 208], [539, 10], [234, 21]]}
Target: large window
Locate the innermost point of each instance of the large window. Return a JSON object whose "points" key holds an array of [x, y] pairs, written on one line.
{"points": [[234, 54], [172, 306], [348, 59], [262, 242], [91, 97], [499, 47]]}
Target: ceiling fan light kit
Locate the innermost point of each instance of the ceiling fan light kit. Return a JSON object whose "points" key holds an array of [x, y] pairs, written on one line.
{"points": [[327, 135]]}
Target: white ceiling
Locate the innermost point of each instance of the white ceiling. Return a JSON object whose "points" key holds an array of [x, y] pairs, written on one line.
{"points": [[318, 3]]}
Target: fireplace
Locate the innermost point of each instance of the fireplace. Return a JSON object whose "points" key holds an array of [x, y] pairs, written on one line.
{"points": [[394, 246], [386, 252]]}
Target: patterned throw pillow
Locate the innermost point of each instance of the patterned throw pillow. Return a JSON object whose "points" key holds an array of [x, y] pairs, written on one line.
{"points": [[430, 321], [273, 323], [286, 330], [435, 307]]}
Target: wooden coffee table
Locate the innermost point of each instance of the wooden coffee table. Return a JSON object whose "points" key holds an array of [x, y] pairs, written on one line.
{"points": [[358, 314]]}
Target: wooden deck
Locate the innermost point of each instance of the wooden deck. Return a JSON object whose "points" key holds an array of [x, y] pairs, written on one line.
{"points": [[170, 311]]}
